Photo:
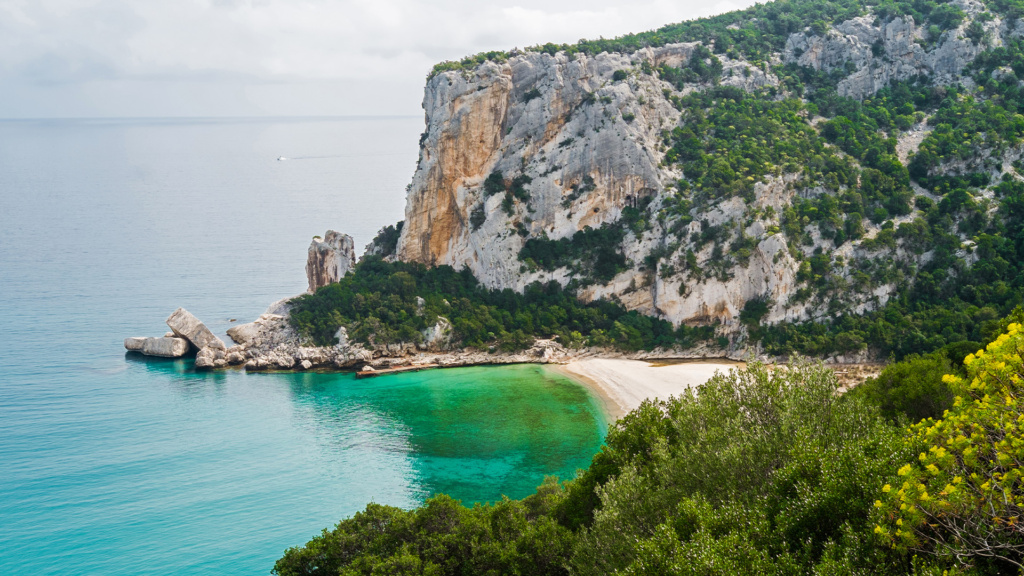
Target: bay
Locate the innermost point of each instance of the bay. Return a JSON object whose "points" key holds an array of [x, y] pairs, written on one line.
{"points": [[112, 464]]}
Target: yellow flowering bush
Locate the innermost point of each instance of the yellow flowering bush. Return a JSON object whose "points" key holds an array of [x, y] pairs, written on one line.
{"points": [[964, 496]]}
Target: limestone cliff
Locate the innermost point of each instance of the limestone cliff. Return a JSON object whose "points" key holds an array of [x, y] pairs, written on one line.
{"points": [[577, 139]]}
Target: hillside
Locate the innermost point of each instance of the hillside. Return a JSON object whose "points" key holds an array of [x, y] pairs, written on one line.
{"points": [[831, 178], [839, 179]]}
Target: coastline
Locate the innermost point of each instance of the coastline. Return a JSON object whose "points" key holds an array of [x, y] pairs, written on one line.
{"points": [[623, 384], [620, 381]]}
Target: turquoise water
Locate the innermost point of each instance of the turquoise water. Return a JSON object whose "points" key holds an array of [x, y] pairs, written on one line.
{"points": [[113, 464]]}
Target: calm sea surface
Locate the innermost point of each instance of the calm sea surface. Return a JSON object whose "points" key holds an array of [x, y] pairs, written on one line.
{"points": [[111, 464]]}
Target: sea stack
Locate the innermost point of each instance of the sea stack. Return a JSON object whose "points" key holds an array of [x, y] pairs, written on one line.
{"points": [[329, 259]]}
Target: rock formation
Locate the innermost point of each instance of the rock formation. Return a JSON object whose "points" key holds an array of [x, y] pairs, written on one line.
{"points": [[187, 333], [187, 326], [329, 259], [586, 133], [897, 43], [166, 347], [253, 331]]}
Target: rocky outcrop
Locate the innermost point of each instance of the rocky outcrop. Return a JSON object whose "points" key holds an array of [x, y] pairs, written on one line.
{"points": [[165, 347], [254, 331], [554, 119], [883, 52], [329, 259], [582, 136], [187, 334], [187, 326], [438, 337], [211, 358]]}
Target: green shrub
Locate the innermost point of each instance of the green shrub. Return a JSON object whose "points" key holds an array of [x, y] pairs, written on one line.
{"points": [[377, 303], [912, 388], [477, 217]]}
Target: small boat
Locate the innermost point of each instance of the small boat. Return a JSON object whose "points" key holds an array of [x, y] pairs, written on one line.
{"points": [[281, 158]]}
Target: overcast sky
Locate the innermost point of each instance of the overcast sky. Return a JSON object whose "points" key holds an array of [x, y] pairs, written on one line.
{"points": [[130, 58]]}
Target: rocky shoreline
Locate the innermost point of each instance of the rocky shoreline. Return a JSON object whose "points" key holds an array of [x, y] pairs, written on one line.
{"points": [[270, 342]]}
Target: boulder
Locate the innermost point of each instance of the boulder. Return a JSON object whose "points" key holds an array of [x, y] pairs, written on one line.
{"points": [[342, 336], [166, 347], [281, 307], [234, 356], [329, 259], [439, 336], [135, 343], [253, 331], [210, 357], [282, 361], [306, 364], [187, 326]]}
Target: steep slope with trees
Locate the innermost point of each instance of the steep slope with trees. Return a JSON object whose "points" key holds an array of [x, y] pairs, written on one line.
{"points": [[832, 178]]}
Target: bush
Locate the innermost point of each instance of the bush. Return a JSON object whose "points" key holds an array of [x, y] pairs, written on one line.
{"points": [[477, 217], [912, 388], [385, 243], [594, 254], [963, 497]]}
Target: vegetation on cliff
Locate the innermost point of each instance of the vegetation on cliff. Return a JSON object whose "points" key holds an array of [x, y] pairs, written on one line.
{"points": [[383, 303], [757, 472], [899, 248]]}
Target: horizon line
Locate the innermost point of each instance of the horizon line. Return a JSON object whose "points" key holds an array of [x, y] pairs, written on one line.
{"points": [[212, 118]]}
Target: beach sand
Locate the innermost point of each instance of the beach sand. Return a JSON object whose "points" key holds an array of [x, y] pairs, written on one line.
{"points": [[623, 384]]}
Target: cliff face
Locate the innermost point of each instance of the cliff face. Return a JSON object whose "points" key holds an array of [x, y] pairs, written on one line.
{"points": [[329, 259], [584, 138]]}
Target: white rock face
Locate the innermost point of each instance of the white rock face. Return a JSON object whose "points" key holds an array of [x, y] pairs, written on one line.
{"points": [[329, 259], [210, 358], [439, 336], [166, 347], [900, 56], [247, 333], [590, 146], [135, 343], [187, 326]]}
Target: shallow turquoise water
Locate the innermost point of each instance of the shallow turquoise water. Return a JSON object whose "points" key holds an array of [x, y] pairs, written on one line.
{"points": [[112, 464]]}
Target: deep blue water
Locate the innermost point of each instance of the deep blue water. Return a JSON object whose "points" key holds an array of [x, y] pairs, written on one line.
{"points": [[111, 464]]}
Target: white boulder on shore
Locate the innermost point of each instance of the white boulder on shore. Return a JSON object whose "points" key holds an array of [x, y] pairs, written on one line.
{"points": [[164, 346], [185, 325], [187, 333], [253, 331]]}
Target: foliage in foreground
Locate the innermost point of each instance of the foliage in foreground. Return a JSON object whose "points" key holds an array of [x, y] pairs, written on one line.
{"points": [[385, 303], [964, 497], [759, 471]]}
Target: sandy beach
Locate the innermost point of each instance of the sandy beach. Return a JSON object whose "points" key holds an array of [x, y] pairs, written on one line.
{"points": [[624, 384]]}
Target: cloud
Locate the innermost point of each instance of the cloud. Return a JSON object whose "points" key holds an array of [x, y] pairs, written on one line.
{"points": [[348, 53]]}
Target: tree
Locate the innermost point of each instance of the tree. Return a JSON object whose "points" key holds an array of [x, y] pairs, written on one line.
{"points": [[913, 387], [964, 498]]}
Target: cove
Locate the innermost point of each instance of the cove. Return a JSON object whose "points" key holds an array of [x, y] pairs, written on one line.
{"points": [[152, 468], [118, 465]]}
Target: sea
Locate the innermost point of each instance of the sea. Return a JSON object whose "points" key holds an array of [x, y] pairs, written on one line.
{"points": [[116, 464]]}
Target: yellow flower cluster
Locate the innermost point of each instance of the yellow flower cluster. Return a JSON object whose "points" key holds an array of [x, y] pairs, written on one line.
{"points": [[971, 473]]}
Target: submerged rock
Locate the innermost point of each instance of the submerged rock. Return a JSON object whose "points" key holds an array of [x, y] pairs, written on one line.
{"points": [[187, 326], [329, 259]]}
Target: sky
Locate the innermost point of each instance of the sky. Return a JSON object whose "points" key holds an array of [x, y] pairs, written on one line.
{"points": [[222, 58]]}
